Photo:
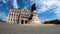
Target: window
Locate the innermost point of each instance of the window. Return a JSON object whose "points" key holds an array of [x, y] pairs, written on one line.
{"points": [[11, 19], [14, 14], [14, 19], [17, 14]]}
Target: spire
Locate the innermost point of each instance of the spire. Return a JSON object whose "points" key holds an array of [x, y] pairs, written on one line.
{"points": [[15, 4], [24, 9]]}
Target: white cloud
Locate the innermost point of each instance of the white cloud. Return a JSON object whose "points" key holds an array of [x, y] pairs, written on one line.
{"points": [[4, 1], [43, 9], [45, 5], [15, 4], [0, 0], [3, 16], [57, 12], [32, 1]]}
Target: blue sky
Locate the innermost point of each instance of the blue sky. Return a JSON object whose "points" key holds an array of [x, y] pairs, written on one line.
{"points": [[47, 9]]}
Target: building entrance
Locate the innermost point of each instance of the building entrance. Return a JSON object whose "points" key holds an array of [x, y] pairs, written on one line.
{"points": [[26, 22], [22, 21]]}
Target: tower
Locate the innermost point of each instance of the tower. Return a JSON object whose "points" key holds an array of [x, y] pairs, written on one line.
{"points": [[13, 16]]}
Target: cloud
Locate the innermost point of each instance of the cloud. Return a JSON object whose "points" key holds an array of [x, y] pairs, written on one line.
{"points": [[15, 4], [48, 6], [3, 16], [0, 0], [44, 5], [57, 12], [29, 2], [4, 1]]}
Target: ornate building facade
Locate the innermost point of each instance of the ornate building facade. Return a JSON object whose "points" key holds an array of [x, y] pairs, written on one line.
{"points": [[17, 16], [23, 16]]}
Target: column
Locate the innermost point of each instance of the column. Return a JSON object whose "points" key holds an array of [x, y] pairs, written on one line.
{"points": [[24, 21]]}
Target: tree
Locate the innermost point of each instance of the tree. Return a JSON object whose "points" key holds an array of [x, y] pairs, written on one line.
{"points": [[55, 21]]}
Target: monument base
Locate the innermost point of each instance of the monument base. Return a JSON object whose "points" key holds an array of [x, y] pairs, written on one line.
{"points": [[35, 20]]}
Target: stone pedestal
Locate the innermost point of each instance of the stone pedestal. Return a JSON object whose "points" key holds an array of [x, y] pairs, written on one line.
{"points": [[35, 19]]}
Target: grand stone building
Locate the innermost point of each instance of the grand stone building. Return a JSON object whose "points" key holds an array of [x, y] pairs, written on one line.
{"points": [[23, 16]]}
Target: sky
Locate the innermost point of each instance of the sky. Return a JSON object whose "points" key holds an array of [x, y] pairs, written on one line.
{"points": [[47, 9]]}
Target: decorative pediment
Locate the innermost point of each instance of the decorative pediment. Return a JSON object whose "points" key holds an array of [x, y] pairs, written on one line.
{"points": [[25, 9]]}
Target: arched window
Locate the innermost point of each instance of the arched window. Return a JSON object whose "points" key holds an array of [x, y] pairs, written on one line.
{"points": [[26, 21], [22, 21]]}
